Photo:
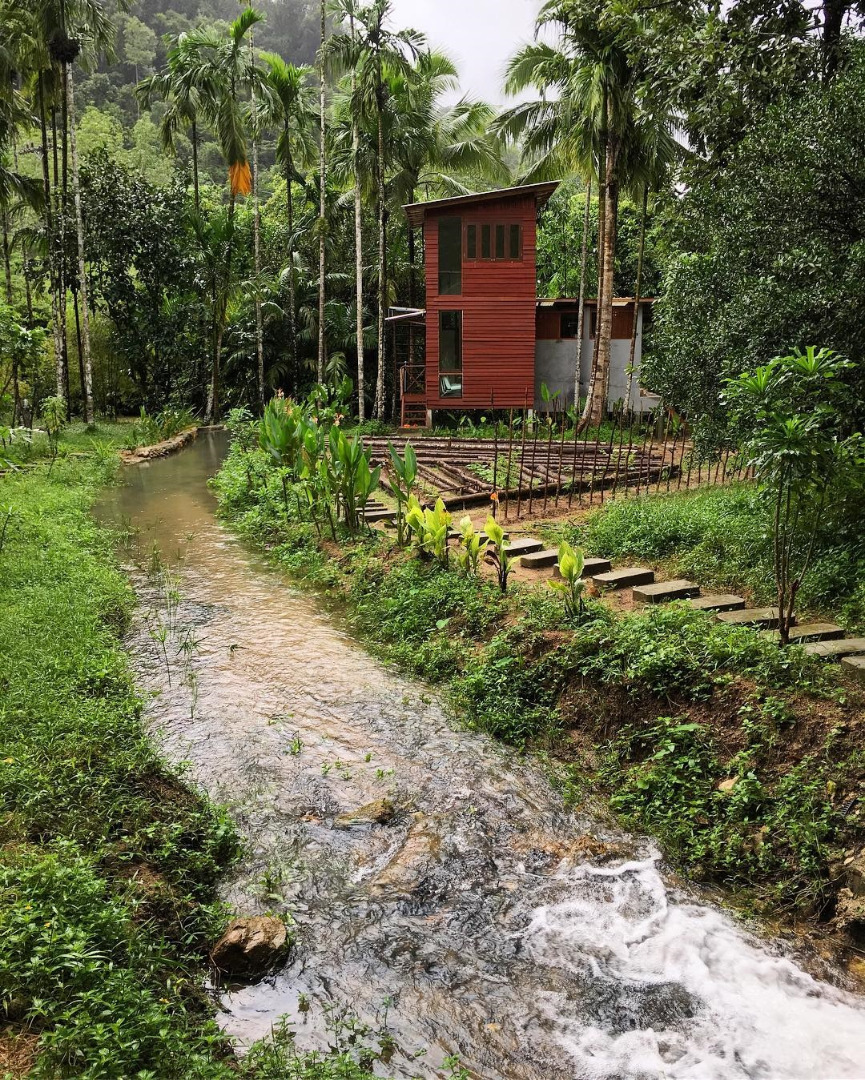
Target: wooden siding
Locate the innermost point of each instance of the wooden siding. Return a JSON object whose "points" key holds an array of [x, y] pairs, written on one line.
{"points": [[548, 320], [498, 311]]}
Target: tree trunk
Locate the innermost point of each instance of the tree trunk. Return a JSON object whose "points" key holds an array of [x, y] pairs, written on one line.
{"points": [[52, 248], [358, 254], [378, 411], [7, 263], [581, 302], [834, 12], [256, 244], [195, 167], [87, 387], [292, 298], [632, 352], [322, 178], [605, 312], [602, 221]]}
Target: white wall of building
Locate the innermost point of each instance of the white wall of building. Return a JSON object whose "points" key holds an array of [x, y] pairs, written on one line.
{"points": [[555, 365]]}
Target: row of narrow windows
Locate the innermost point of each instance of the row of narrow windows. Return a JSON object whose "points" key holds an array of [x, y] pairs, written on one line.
{"points": [[493, 242]]}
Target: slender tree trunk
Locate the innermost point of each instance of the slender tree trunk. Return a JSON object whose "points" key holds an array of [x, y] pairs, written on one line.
{"points": [[378, 412], [359, 268], [87, 385], [632, 352], [292, 297], [52, 247], [581, 302], [599, 298], [322, 175], [194, 133], [7, 262], [60, 255], [256, 237], [605, 313]]}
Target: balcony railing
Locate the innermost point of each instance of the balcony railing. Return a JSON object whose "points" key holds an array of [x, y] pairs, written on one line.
{"points": [[413, 380]]}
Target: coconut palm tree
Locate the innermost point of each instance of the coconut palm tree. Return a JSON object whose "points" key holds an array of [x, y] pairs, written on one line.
{"points": [[590, 121], [289, 106], [179, 86], [372, 51]]}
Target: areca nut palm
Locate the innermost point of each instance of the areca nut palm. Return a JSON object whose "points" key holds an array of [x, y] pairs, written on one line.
{"points": [[372, 51]]}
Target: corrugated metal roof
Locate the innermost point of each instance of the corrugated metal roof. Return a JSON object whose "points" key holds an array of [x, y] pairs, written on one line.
{"points": [[541, 192]]}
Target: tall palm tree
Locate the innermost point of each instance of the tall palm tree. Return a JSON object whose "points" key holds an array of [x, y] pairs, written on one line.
{"points": [[289, 106], [588, 122], [221, 71], [179, 86], [322, 190], [372, 51]]}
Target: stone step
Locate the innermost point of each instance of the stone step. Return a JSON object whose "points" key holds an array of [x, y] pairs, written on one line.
{"points": [[724, 602], [834, 650], [819, 631], [379, 515], [454, 534], [657, 593], [591, 567], [537, 560], [525, 545], [765, 618], [854, 665], [624, 579]]}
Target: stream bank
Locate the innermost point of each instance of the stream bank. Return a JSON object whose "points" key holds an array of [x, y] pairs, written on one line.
{"points": [[487, 917]]}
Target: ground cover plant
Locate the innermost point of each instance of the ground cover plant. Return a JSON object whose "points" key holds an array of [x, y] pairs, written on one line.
{"points": [[745, 759], [721, 537]]}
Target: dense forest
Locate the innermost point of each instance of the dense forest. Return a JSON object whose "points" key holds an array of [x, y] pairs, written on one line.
{"points": [[168, 239]]}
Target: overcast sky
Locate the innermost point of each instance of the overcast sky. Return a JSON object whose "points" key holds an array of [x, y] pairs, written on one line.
{"points": [[478, 35]]}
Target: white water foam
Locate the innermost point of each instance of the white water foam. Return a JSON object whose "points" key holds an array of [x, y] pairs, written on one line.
{"points": [[748, 1013]]}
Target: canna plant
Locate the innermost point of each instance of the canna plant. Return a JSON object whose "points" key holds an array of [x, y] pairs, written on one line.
{"points": [[469, 553], [571, 584], [401, 484], [496, 553], [429, 530]]}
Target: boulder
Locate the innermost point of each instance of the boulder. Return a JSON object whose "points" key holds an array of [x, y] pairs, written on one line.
{"points": [[407, 868], [250, 946], [854, 871], [850, 913], [378, 812]]}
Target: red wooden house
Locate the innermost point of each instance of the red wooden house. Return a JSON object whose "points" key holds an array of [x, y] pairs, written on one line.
{"points": [[475, 343]]}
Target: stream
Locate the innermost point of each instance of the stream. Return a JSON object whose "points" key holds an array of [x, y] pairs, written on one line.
{"points": [[486, 920]]}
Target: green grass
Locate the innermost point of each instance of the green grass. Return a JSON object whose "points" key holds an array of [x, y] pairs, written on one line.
{"points": [[99, 439], [721, 538], [654, 708]]}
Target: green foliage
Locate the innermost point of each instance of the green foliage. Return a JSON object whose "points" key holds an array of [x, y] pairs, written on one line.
{"points": [[795, 413], [734, 820], [497, 553], [401, 484], [721, 537], [168, 422], [768, 247], [571, 585], [429, 529], [469, 554]]}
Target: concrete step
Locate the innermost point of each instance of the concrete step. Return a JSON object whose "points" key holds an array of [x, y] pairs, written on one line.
{"points": [[834, 650], [657, 593], [624, 579], [724, 602], [854, 665], [591, 568], [538, 560], [525, 545], [379, 515], [819, 631], [765, 618]]}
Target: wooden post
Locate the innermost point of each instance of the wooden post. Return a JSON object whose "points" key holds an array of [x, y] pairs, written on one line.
{"points": [[510, 449], [522, 458], [549, 457], [594, 465], [663, 453], [532, 467], [561, 456], [494, 500]]}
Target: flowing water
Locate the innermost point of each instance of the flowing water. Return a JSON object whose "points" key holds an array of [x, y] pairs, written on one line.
{"points": [[486, 920]]}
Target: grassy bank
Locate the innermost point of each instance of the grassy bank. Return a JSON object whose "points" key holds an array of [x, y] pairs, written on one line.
{"points": [[720, 537], [108, 861], [745, 760]]}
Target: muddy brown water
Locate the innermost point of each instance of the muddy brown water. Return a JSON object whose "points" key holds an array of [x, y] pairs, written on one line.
{"points": [[486, 920]]}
